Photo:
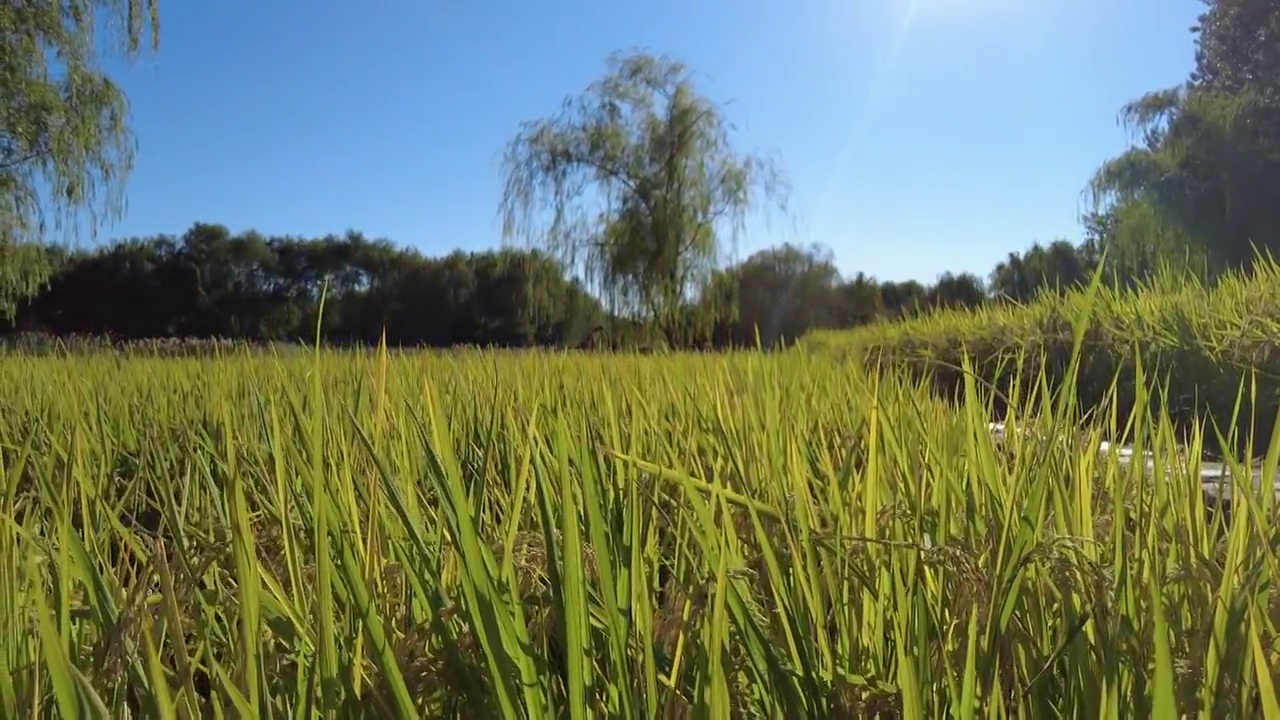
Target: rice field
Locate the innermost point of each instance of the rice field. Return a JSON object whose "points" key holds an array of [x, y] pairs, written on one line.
{"points": [[1211, 349], [487, 534]]}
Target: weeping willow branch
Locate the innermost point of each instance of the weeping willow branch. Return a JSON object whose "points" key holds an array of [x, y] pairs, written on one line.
{"points": [[66, 151]]}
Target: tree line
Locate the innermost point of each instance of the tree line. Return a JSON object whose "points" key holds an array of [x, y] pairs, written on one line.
{"points": [[631, 200], [212, 283]]}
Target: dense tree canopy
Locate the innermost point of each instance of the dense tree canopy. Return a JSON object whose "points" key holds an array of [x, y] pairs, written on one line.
{"points": [[212, 283], [779, 292], [1024, 275]]}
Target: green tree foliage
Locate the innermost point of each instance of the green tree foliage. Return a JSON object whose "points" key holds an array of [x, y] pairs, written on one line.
{"points": [[635, 184], [1239, 48], [65, 147], [779, 293], [903, 298], [1200, 184], [957, 290], [211, 283], [859, 300], [1058, 267]]}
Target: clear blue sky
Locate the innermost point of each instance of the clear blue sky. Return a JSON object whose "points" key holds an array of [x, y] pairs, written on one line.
{"points": [[919, 135]]}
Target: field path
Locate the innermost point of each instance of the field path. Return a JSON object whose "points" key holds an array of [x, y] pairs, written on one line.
{"points": [[1215, 477]]}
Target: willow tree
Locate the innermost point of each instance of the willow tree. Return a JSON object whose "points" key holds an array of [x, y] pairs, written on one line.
{"points": [[65, 146], [635, 185], [1177, 196], [1200, 183]]}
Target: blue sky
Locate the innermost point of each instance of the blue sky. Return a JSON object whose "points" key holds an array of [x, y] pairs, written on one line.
{"points": [[919, 135]]}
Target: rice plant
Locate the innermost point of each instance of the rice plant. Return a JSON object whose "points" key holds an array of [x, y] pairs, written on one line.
{"points": [[530, 535]]}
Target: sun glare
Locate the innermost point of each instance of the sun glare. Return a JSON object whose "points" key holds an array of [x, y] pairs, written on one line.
{"points": [[905, 15], [932, 9], [900, 31]]}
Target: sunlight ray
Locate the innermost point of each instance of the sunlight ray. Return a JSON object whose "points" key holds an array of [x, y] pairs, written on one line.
{"points": [[858, 128]]}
